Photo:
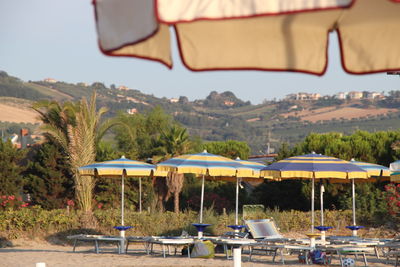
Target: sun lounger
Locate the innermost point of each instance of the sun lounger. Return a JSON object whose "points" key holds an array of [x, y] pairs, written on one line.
{"points": [[169, 242], [264, 229], [343, 250], [138, 239], [391, 248], [96, 239], [271, 241]]}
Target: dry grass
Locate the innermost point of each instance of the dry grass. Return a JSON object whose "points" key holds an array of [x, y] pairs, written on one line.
{"points": [[17, 113], [330, 113]]}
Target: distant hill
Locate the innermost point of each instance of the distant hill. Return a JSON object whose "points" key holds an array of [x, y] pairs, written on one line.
{"points": [[220, 116]]}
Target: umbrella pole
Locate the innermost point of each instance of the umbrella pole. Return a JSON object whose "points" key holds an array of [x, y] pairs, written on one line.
{"points": [[237, 201], [322, 190], [140, 194], [312, 205], [353, 192], [122, 199], [202, 200]]}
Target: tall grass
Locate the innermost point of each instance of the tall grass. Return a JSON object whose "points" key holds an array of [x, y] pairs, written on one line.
{"points": [[36, 222]]}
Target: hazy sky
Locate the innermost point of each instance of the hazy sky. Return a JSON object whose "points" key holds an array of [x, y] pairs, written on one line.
{"points": [[57, 39]]}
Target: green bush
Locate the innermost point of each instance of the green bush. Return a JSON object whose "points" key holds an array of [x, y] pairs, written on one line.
{"points": [[35, 222]]}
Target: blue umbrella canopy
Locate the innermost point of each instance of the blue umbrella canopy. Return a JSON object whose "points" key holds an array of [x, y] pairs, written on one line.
{"points": [[373, 170], [210, 165], [206, 164], [313, 166], [120, 168], [395, 169], [115, 168]]}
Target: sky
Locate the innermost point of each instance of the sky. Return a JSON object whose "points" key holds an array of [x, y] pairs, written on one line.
{"points": [[57, 38]]}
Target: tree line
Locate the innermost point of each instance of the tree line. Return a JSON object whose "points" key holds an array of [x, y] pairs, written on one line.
{"points": [[77, 134]]}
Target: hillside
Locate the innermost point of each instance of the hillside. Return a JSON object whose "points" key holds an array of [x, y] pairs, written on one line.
{"points": [[221, 116]]}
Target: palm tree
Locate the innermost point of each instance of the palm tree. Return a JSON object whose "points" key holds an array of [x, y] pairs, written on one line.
{"points": [[175, 142], [77, 128]]}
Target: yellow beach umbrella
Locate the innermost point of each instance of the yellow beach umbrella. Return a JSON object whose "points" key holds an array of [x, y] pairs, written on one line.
{"points": [[121, 168], [313, 166]]}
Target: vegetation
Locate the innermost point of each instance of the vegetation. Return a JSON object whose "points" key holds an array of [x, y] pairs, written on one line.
{"points": [[45, 175], [36, 222], [77, 129]]}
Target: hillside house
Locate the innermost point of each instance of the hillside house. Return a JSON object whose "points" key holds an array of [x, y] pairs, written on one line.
{"points": [[355, 95], [122, 88], [131, 111], [341, 95], [303, 96], [229, 103], [83, 84], [50, 80], [23, 140], [173, 100], [375, 95]]}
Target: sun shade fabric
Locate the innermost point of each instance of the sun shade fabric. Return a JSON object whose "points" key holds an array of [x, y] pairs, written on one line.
{"points": [[372, 169], [117, 167], [205, 164], [313, 165], [395, 169], [212, 40], [172, 11], [253, 167]]}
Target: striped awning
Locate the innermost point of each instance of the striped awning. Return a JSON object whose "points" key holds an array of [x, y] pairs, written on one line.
{"points": [[374, 170], [313, 166], [204, 163], [395, 169], [278, 35], [115, 168], [255, 167]]}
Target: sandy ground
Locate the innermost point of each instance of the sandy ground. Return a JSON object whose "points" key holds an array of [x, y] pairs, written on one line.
{"points": [[28, 253]]}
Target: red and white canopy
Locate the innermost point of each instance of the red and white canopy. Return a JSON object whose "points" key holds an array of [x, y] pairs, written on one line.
{"points": [[283, 35]]}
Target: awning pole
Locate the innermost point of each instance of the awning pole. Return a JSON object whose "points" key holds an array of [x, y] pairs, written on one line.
{"points": [[353, 189], [312, 205], [201, 200], [122, 198], [140, 194], [237, 201]]}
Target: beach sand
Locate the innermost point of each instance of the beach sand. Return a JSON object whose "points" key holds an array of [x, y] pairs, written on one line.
{"points": [[27, 253]]}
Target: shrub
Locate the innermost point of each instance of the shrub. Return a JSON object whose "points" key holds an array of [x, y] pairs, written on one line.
{"points": [[392, 194]]}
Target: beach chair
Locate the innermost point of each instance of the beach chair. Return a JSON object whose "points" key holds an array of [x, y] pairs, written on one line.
{"points": [[269, 240], [264, 229]]}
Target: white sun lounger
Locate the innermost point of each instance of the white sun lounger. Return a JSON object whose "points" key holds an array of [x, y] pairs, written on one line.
{"points": [[168, 242], [96, 239]]}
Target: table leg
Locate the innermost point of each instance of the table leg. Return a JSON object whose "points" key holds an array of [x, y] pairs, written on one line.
{"points": [[340, 258], [96, 246], [163, 249], [365, 259], [127, 245], [226, 251], [376, 252], [76, 240]]}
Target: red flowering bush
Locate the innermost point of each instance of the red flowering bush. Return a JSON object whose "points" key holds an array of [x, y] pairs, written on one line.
{"points": [[70, 203], [393, 199], [12, 202]]}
